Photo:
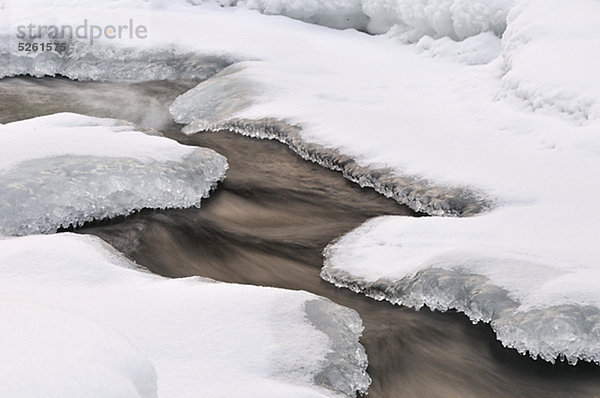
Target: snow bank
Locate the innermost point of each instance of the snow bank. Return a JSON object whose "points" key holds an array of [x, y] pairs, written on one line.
{"points": [[52, 353], [103, 58], [412, 19], [80, 319], [339, 14], [475, 50], [543, 309], [67, 169], [442, 137], [457, 19], [102, 64], [552, 57], [419, 194]]}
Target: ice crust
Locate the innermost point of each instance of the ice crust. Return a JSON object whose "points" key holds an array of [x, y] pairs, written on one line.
{"points": [[345, 365], [565, 332], [551, 315], [67, 169], [219, 98], [213, 105], [417, 193], [99, 63], [75, 307]]}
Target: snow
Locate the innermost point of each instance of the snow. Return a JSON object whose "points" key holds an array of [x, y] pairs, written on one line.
{"points": [[67, 169], [550, 310], [81, 320], [475, 50], [79, 135], [411, 19], [564, 39], [425, 125], [504, 130], [49, 352]]}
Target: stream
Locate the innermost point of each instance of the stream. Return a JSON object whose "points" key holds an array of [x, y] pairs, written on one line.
{"points": [[268, 223]]}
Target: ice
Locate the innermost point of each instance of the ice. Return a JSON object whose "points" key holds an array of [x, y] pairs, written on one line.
{"points": [[83, 320], [216, 99], [67, 169], [346, 362], [419, 194], [131, 64], [546, 311]]}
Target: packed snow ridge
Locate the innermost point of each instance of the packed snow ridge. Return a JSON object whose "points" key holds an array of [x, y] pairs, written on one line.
{"points": [[66, 169], [81, 320]]}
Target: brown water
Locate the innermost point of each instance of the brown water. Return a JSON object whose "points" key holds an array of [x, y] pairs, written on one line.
{"points": [[267, 225]]}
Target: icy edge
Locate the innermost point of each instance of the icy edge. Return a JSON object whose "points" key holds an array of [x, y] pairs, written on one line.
{"points": [[101, 187], [417, 193], [82, 61], [565, 332], [345, 368]]}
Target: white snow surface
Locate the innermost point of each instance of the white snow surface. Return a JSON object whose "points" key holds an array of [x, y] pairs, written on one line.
{"points": [[410, 19], [66, 169], [563, 37], [48, 352], [550, 310], [78, 135], [516, 132], [80, 320]]}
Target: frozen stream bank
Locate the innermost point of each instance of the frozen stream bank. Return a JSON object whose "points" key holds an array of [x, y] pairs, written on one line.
{"points": [[268, 223]]}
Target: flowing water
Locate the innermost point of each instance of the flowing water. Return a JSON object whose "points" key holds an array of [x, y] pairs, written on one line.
{"points": [[268, 223]]}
